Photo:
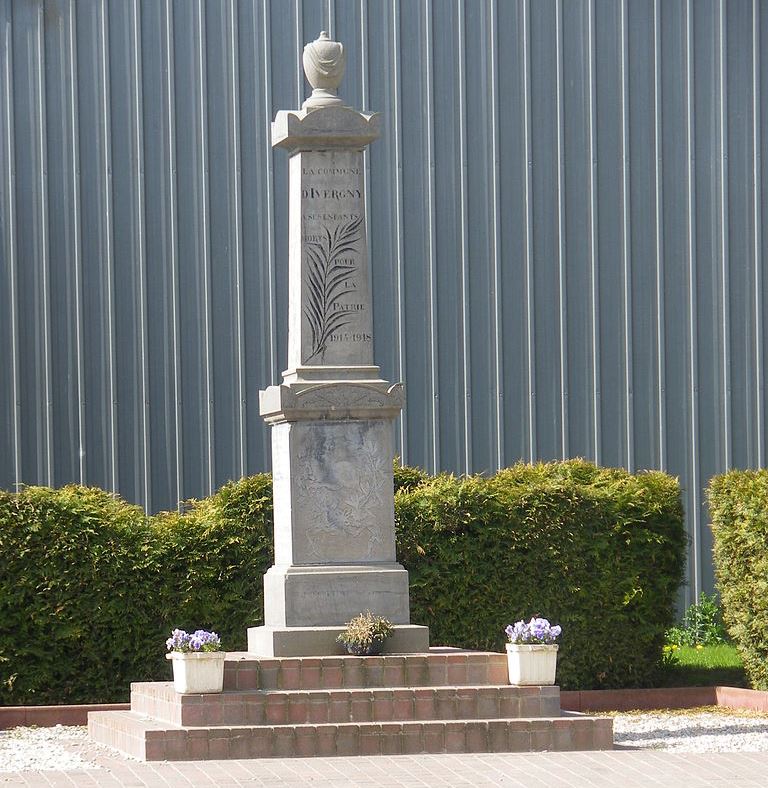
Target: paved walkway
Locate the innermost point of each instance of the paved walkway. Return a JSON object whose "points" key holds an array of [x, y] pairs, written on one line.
{"points": [[624, 768]]}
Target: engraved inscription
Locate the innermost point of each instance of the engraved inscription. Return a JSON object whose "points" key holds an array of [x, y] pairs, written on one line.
{"points": [[329, 217], [330, 171], [314, 193], [350, 337], [330, 273]]}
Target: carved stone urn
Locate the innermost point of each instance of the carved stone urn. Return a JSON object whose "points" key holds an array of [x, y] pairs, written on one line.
{"points": [[324, 62]]}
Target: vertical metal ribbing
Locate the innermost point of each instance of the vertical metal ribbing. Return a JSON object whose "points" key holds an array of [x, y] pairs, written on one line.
{"points": [[529, 292], [242, 405], [464, 325], [364, 70], [10, 248], [661, 362], [208, 384], [266, 64], [562, 286], [693, 443], [366, 152], [364, 54], [593, 251], [724, 238], [757, 199], [45, 461], [173, 251], [432, 242], [330, 15], [496, 318], [626, 254], [109, 260], [398, 228], [141, 261], [77, 249], [299, 33]]}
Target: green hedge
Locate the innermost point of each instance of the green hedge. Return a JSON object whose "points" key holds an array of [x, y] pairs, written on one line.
{"points": [[90, 586], [599, 551], [738, 507]]}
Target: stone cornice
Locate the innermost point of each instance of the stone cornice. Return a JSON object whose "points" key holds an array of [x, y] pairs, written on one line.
{"points": [[324, 128], [338, 400]]}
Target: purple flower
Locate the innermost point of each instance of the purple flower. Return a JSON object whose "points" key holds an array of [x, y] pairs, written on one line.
{"points": [[201, 640], [178, 641], [537, 630]]}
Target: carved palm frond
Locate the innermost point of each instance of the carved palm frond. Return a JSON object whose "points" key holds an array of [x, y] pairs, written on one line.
{"points": [[326, 281]]}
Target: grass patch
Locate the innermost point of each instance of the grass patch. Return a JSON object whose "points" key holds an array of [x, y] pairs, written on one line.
{"points": [[709, 666]]}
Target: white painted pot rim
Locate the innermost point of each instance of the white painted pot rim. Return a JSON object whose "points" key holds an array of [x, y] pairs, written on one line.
{"points": [[532, 646], [196, 655]]}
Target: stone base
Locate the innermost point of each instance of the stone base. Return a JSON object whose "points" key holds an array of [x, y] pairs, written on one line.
{"points": [[317, 596], [271, 641]]}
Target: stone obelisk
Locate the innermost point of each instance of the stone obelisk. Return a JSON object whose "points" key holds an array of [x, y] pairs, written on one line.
{"points": [[332, 415]]}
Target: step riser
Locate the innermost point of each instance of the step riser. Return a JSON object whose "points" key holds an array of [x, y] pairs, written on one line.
{"points": [[367, 739], [339, 706], [128, 739], [433, 670]]}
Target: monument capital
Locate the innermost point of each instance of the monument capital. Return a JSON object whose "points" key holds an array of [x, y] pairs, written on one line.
{"points": [[325, 128]]}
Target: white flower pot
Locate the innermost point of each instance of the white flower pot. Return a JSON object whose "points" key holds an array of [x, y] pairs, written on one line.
{"points": [[197, 672], [531, 664]]}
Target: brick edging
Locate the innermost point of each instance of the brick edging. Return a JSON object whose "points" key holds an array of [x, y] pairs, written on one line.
{"points": [[664, 698], [740, 698], [570, 700], [627, 699], [48, 716]]}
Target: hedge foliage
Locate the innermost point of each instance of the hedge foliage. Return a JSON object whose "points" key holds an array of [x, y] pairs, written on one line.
{"points": [[738, 507], [90, 586], [599, 551]]}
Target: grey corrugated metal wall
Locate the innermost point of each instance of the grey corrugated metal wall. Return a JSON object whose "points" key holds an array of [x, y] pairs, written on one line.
{"points": [[566, 214]]}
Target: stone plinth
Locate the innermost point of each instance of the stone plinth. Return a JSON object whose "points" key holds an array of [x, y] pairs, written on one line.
{"points": [[334, 517], [282, 641]]}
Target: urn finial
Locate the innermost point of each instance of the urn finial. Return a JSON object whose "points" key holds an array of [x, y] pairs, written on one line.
{"points": [[324, 61]]}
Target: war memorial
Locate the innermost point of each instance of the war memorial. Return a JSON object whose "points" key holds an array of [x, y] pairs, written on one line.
{"points": [[295, 692]]}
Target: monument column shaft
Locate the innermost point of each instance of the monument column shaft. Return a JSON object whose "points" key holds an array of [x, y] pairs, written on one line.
{"points": [[330, 320]]}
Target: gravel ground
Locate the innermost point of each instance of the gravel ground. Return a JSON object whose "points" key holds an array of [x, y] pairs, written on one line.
{"points": [[703, 731], [60, 748], [67, 748]]}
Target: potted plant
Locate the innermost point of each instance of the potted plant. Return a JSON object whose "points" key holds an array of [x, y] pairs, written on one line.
{"points": [[365, 634], [532, 652], [198, 661]]}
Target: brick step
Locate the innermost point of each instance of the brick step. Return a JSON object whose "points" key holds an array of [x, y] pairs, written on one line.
{"points": [[438, 667], [151, 740], [282, 707]]}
